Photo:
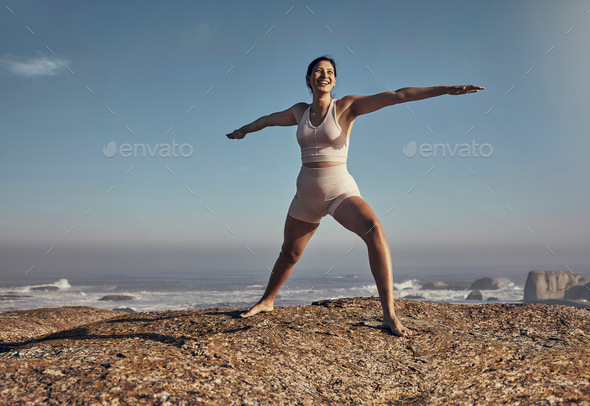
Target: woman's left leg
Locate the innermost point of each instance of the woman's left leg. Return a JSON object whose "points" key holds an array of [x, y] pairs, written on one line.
{"points": [[355, 214]]}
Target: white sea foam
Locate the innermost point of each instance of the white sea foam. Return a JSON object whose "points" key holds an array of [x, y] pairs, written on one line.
{"points": [[153, 295], [61, 284], [409, 284]]}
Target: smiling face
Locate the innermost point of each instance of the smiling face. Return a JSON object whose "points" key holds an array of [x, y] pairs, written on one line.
{"points": [[322, 78]]}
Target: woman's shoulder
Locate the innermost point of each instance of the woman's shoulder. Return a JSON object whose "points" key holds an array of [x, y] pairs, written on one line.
{"points": [[346, 101], [301, 106], [343, 104], [298, 109]]}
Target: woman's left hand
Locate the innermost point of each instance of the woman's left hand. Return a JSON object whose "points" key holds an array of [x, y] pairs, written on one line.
{"points": [[462, 89]]}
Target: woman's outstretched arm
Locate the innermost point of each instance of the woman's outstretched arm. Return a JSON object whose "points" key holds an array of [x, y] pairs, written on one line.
{"points": [[367, 104], [280, 118]]}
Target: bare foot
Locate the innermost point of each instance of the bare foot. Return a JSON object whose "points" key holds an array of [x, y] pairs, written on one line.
{"points": [[258, 308], [397, 328]]}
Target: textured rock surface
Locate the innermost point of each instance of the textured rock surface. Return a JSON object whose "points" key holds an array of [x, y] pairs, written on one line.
{"points": [[27, 324], [125, 309], [333, 352], [544, 285], [488, 284], [582, 304]]}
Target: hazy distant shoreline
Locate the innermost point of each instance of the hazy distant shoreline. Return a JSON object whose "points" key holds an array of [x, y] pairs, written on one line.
{"points": [[203, 290], [158, 295]]}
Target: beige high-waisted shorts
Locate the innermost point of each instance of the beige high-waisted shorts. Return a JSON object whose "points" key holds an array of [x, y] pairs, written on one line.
{"points": [[320, 191]]}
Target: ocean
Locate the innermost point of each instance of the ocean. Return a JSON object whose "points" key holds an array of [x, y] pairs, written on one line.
{"points": [[202, 290]]}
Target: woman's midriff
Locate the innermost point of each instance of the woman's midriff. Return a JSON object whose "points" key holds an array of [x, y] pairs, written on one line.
{"points": [[322, 164]]}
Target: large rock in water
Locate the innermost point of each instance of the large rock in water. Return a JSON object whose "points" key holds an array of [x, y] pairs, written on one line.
{"points": [[45, 288], [546, 285], [435, 285], [117, 297], [488, 284], [474, 295], [578, 293], [439, 285]]}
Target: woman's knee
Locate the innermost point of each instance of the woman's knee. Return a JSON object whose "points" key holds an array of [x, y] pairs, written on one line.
{"points": [[290, 255], [372, 229]]}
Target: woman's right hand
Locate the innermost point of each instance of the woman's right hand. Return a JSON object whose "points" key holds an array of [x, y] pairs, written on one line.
{"points": [[237, 134]]}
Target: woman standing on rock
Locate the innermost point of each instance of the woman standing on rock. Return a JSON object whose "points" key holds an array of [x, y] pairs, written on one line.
{"points": [[324, 185]]}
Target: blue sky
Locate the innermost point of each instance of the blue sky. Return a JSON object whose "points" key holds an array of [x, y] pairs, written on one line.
{"points": [[76, 76]]}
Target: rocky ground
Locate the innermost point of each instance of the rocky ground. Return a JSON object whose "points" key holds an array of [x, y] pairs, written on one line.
{"points": [[332, 352]]}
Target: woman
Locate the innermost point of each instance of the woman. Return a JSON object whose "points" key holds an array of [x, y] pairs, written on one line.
{"points": [[324, 185]]}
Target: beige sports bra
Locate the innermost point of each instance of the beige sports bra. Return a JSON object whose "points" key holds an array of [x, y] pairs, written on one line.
{"points": [[324, 143]]}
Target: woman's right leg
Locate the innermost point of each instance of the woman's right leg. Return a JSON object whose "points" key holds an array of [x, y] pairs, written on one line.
{"points": [[296, 236]]}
